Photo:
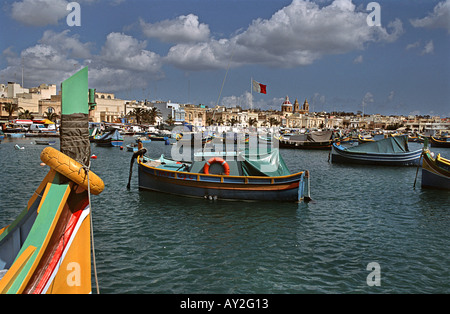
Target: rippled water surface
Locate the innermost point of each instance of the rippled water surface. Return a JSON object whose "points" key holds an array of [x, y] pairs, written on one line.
{"points": [[159, 243]]}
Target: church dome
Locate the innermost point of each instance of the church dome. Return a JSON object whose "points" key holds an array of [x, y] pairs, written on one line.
{"points": [[287, 102]]}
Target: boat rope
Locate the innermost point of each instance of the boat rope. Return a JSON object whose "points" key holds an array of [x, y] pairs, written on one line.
{"points": [[87, 170], [417, 170], [224, 79], [141, 153]]}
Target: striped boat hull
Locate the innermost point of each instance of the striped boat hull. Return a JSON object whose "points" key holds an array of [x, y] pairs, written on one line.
{"points": [[339, 155]]}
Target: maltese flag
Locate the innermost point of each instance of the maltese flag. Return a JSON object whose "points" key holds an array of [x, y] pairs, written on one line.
{"points": [[260, 88]]}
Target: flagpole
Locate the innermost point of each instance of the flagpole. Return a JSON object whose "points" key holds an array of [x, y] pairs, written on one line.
{"points": [[251, 93]]}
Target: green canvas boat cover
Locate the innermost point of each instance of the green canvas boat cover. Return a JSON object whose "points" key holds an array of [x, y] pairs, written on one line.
{"points": [[270, 164], [390, 145]]}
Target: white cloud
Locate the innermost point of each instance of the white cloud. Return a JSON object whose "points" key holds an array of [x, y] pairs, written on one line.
{"points": [[69, 45], [40, 62], [391, 96], [413, 45], [39, 12], [126, 52], [122, 62], [439, 18], [296, 35], [245, 101], [429, 48], [185, 28], [358, 59], [367, 100]]}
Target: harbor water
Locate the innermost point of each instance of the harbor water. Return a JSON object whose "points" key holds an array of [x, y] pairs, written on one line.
{"points": [[156, 243]]}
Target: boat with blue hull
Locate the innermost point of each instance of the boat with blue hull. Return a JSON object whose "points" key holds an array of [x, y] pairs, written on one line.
{"points": [[391, 151], [435, 171], [111, 138], [227, 176]]}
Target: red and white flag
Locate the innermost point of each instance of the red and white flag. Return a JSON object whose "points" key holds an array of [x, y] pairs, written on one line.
{"points": [[258, 87]]}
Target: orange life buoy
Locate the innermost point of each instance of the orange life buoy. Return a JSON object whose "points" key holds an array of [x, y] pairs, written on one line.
{"points": [[226, 167]]}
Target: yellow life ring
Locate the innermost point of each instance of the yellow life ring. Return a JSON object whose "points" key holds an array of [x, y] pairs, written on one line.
{"points": [[71, 169]]}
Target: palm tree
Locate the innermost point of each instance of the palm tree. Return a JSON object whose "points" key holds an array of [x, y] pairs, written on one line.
{"points": [[26, 114], [273, 121], [138, 114], [51, 116], [252, 122], [153, 113], [169, 120], [10, 108]]}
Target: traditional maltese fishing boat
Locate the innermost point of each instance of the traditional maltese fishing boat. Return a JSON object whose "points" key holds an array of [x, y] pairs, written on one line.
{"points": [[391, 151], [240, 175], [315, 140], [440, 142], [435, 171], [47, 249]]}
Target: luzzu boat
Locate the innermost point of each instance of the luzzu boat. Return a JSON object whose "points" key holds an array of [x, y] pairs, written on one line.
{"points": [[435, 171], [315, 140], [225, 175], [391, 151], [440, 142], [47, 249], [111, 138]]}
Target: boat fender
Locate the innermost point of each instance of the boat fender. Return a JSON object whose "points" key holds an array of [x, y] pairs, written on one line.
{"points": [[70, 168], [226, 167]]}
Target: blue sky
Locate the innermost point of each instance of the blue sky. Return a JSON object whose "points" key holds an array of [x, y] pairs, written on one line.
{"points": [[180, 50]]}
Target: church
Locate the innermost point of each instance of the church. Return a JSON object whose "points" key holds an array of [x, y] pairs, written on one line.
{"points": [[287, 108]]}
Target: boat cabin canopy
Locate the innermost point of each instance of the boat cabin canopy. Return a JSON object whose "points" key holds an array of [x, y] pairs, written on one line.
{"points": [[390, 145], [242, 163]]}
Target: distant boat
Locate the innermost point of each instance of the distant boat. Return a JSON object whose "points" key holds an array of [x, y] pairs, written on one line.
{"points": [[143, 139], [440, 142], [365, 138], [157, 137], [314, 140], [45, 142], [193, 139], [16, 135], [133, 147], [111, 138], [435, 171], [227, 176], [391, 151]]}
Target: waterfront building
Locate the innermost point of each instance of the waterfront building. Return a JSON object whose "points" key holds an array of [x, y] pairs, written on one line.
{"points": [[109, 108], [24, 98], [196, 115], [51, 105], [170, 111]]}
